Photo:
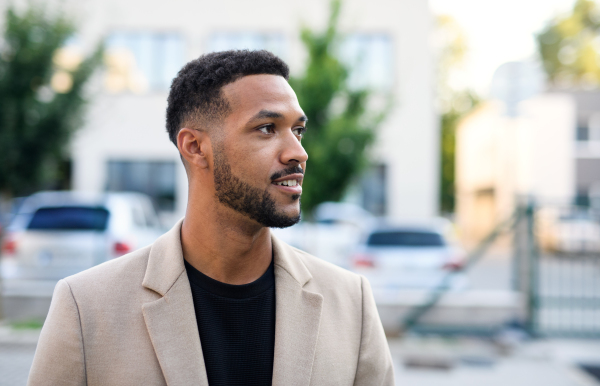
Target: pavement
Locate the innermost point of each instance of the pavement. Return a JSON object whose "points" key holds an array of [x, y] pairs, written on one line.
{"points": [[418, 360], [17, 347], [438, 361]]}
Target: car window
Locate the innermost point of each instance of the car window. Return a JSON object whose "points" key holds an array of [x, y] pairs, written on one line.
{"points": [[138, 216], [406, 238], [150, 214], [69, 218]]}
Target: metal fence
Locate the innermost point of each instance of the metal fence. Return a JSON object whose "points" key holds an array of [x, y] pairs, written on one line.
{"points": [[557, 267]]}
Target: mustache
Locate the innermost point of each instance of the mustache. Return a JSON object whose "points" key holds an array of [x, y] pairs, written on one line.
{"points": [[287, 172]]}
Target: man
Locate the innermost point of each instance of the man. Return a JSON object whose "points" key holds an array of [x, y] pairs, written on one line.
{"points": [[218, 300]]}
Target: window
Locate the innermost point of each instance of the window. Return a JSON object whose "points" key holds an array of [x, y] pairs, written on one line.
{"points": [[370, 59], [583, 133], [582, 198], [273, 42], [138, 61], [69, 218], [373, 186], [154, 178], [406, 239]]}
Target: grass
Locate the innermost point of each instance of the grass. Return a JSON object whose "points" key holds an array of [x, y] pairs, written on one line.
{"points": [[30, 324]]}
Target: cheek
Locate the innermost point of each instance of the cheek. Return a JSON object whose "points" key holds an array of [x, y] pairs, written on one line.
{"points": [[253, 164]]}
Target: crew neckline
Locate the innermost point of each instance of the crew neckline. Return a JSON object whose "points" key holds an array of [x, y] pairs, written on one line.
{"points": [[232, 291]]}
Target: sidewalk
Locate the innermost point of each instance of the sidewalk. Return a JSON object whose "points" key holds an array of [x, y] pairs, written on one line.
{"points": [[16, 354], [442, 361], [474, 362]]}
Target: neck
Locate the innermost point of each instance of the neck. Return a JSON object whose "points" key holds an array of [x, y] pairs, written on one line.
{"points": [[225, 245]]}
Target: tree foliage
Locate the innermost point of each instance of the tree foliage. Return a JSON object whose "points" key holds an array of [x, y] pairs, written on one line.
{"points": [[570, 46], [339, 126], [465, 101], [41, 97], [454, 104]]}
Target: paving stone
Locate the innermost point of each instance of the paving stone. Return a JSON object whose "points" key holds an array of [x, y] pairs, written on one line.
{"points": [[15, 362]]}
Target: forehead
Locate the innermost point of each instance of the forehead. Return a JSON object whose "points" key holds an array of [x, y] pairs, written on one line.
{"points": [[254, 93]]}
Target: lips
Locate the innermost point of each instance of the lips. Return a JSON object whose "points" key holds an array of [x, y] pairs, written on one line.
{"points": [[289, 180], [291, 183]]}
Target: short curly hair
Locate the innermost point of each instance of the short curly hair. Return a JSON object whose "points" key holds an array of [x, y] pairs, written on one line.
{"points": [[195, 96]]}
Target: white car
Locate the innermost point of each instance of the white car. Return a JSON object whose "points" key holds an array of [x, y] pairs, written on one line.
{"points": [[573, 232], [57, 234], [334, 234], [408, 257]]}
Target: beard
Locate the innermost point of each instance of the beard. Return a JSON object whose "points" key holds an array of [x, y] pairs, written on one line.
{"points": [[244, 198]]}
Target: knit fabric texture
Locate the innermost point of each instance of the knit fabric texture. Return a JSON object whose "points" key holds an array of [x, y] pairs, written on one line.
{"points": [[237, 328]]}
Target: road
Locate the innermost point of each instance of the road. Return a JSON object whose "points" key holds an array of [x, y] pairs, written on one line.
{"points": [[548, 363], [15, 361], [534, 363]]}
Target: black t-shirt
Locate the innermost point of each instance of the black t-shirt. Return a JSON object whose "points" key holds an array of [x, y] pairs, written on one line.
{"points": [[237, 328]]}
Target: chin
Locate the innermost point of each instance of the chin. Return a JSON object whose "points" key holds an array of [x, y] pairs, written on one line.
{"points": [[282, 218], [291, 210]]}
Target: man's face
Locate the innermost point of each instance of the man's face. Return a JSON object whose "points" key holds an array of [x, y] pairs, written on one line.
{"points": [[259, 161]]}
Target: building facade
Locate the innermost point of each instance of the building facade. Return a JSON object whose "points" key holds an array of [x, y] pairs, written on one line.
{"points": [[501, 159], [124, 145], [543, 146]]}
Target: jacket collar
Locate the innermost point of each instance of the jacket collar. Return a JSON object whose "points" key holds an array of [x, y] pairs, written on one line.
{"points": [[286, 259], [171, 320], [297, 318], [165, 263]]}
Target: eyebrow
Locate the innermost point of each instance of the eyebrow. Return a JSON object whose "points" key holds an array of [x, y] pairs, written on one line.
{"points": [[274, 114]]}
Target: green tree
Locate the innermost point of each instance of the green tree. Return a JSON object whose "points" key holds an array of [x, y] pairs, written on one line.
{"points": [[570, 46], [454, 104], [41, 97], [340, 128], [465, 101]]}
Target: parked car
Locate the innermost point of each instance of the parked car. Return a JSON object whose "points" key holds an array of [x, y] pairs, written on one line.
{"points": [[334, 234], [342, 213], [408, 256], [57, 234], [568, 231]]}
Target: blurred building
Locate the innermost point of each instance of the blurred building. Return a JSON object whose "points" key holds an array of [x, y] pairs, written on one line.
{"points": [[526, 143], [587, 149], [499, 158], [124, 145]]}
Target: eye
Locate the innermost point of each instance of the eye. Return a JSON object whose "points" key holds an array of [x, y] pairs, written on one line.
{"points": [[267, 129], [299, 131]]}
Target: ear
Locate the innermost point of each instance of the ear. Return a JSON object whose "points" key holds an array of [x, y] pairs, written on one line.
{"points": [[194, 146]]}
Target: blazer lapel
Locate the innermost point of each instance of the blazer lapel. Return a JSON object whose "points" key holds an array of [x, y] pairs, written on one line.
{"points": [[171, 320], [297, 318]]}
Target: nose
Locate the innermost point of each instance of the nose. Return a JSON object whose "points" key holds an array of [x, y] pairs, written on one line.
{"points": [[293, 151]]}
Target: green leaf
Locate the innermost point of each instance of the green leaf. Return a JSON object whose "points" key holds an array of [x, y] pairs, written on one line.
{"points": [[336, 142], [34, 130]]}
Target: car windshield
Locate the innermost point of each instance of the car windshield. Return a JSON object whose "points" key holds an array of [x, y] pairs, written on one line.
{"points": [[405, 239], [69, 218]]}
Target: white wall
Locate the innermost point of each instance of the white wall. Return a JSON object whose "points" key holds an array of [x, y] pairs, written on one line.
{"points": [[498, 158], [549, 159], [132, 126]]}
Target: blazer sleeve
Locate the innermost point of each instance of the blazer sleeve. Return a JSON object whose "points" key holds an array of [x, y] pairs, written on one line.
{"points": [[375, 366], [59, 357]]}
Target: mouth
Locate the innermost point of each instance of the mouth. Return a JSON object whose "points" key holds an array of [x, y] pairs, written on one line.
{"points": [[291, 183]]}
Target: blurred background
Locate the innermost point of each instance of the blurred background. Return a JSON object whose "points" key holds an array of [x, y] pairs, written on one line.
{"points": [[454, 161]]}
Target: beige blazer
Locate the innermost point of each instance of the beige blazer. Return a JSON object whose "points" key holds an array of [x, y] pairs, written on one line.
{"points": [[131, 321]]}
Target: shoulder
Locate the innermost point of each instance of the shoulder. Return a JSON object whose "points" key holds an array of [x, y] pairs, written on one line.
{"points": [[112, 277]]}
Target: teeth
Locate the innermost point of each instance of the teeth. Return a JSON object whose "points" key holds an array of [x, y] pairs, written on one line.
{"points": [[288, 183]]}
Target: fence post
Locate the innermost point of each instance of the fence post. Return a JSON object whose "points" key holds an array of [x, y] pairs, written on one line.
{"points": [[517, 260], [533, 269]]}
